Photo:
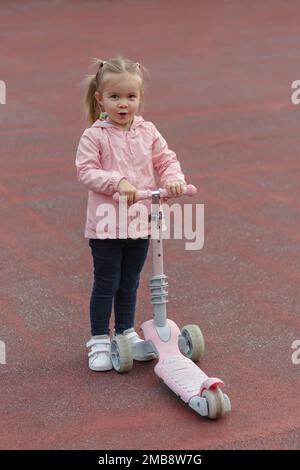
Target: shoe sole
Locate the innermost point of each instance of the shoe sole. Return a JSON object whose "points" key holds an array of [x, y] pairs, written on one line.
{"points": [[100, 369], [149, 357]]}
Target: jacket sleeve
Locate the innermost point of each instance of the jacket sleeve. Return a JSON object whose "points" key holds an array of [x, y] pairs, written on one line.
{"points": [[89, 170], [165, 161]]}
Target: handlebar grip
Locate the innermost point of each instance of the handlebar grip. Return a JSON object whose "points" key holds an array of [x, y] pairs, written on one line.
{"points": [[190, 190]]}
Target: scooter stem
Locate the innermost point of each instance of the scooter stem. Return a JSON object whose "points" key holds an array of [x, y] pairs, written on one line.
{"points": [[158, 282]]}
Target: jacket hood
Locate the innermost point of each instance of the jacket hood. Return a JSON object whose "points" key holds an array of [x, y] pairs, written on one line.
{"points": [[137, 121]]}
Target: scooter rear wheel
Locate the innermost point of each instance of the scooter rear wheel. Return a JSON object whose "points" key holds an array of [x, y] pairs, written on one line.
{"points": [[121, 354], [194, 342], [215, 403]]}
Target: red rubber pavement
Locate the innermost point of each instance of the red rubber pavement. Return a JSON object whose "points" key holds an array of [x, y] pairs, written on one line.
{"points": [[220, 93]]}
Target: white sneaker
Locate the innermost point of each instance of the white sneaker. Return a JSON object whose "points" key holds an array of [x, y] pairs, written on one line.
{"points": [[99, 353], [137, 346]]}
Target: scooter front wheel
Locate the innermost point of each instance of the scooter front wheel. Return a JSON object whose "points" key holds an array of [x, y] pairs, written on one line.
{"points": [[121, 354], [194, 342], [215, 403]]}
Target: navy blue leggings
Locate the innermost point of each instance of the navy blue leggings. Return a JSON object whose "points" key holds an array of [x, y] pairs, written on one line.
{"points": [[117, 267]]}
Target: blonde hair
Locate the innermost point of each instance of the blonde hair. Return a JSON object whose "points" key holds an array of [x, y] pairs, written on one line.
{"points": [[95, 82]]}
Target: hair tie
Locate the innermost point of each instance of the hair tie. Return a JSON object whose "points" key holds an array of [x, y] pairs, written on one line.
{"points": [[137, 64], [103, 62]]}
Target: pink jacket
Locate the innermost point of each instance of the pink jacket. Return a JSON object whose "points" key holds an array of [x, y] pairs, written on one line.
{"points": [[106, 154]]}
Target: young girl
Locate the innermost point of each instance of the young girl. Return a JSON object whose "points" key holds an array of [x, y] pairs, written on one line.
{"points": [[119, 152]]}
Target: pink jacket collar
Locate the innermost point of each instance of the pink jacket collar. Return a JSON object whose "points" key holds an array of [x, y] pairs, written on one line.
{"points": [[137, 121]]}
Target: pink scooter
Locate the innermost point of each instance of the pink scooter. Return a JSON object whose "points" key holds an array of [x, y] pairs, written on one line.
{"points": [[176, 350]]}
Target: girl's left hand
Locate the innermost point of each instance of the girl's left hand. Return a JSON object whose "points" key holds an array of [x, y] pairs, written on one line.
{"points": [[175, 188]]}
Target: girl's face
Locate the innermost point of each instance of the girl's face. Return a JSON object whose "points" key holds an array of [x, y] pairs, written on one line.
{"points": [[121, 98]]}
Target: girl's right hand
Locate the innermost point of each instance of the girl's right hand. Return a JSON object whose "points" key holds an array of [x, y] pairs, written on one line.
{"points": [[126, 189]]}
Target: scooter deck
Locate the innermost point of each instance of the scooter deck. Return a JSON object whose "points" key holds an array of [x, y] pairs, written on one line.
{"points": [[178, 372], [181, 375]]}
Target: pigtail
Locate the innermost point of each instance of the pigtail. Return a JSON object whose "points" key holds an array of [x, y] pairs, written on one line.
{"points": [[90, 102], [92, 107]]}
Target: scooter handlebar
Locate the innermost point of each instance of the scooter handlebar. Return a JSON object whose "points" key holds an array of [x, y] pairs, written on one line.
{"points": [[189, 190]]}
